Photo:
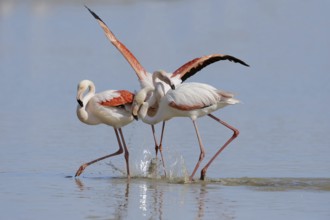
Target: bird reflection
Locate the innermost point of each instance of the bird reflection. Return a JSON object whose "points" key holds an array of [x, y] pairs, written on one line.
{"points": [[79, 184], [122, 210], [201, 202], [151, 199], [148, 198]]}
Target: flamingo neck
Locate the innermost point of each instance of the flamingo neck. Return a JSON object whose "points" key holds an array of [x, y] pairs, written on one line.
{"points": [[143, 101], [146, 81], [82, 113], [143, 114]]}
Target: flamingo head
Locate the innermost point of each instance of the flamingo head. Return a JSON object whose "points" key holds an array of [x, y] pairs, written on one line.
{"points": [[139, 99], [162, 76], [83, 86]]}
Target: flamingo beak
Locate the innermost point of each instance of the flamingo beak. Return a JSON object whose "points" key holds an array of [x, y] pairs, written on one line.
{"points": [[80, 103], [135, 110], [173, 86]]}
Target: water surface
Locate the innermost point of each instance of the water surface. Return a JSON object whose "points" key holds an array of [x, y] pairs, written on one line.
{"points": [[278, 168]]}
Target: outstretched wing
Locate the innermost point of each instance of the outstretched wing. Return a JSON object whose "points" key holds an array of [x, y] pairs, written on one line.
{"points": [[135, 64], [195, 65], [121, 97]]}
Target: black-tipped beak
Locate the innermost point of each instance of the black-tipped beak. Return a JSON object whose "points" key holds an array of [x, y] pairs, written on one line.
{"points": [[172, 86], [80, 103], [136, 117]]}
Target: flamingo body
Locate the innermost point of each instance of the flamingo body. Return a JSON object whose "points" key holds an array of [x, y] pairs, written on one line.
{"points": [[191, 100], [160, 88], [187, 70], [111, 107]]}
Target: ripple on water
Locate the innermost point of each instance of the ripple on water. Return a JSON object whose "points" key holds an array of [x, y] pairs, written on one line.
{"points": [[277, 184]]}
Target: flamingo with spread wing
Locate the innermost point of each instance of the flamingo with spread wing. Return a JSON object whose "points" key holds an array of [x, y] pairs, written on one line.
{"points": [[191, 100], [146, 80]]}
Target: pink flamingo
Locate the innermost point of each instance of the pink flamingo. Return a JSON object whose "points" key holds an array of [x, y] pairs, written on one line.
{"points": [[111, 107], [191, 100], [145, 78]]}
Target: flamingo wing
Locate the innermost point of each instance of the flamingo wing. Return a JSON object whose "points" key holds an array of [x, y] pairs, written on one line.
{"points": [[192, 96], [135, 64], [122, 97], [195, 65]]}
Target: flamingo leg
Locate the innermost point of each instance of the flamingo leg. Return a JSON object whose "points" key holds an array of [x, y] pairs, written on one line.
{"points": [[126, 152], [155, 139], [83, 167], [202, 153], [235, 134], [161, 147]]}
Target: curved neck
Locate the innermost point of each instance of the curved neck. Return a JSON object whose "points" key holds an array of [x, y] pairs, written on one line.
{"points": [[143, 114], [87, 85], [82, 113], [142, 104]]}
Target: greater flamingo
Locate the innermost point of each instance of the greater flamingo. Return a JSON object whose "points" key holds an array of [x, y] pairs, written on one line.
{"points": [[191, 100], [111, 107], [145, 78]]}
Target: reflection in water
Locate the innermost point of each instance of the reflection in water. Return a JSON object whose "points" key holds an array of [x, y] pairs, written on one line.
{"points": [[151, 200], [152, 197], [201, 202], [79, 184], [123, 205], [143, 199]]}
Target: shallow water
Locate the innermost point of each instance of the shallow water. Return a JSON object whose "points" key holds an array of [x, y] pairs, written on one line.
{"points": [[278, 168]]}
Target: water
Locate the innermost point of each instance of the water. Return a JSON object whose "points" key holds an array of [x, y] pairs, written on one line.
{"points": [[277, 168]]}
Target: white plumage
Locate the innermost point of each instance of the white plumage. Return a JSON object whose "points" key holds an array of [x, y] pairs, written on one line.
{"points": [[191, 100], [111, 107], [159, 87]]}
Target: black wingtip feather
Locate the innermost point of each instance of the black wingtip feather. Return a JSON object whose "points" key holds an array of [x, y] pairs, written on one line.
{"points": [[199, 67], [93, 13], [209, 61], [236, 60]]}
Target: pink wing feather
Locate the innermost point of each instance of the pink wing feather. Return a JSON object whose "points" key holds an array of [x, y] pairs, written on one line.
{"points": [[193, 66], [135, 64]]}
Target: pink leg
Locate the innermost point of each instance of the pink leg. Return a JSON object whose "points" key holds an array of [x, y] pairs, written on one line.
{"points": [[161, 147], [202, 154], [236, 133], [155, 139], [83, 167], [126, 152]]}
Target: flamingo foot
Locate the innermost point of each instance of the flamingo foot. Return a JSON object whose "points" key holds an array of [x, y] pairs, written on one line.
{"points": [[156, 150], [160, 147], [81, 169], [203, 173], [191, 179]]}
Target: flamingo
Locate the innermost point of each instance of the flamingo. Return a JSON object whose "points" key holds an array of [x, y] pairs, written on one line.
{"points": [[111, 107], [191, 100], [146, 80]]}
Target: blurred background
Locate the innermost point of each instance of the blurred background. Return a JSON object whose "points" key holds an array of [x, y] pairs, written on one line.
{"points": [[47, 47]]}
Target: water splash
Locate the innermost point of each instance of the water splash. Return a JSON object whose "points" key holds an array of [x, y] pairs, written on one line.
{"points": [[178, 169], [146, 165], [115, 168]]}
